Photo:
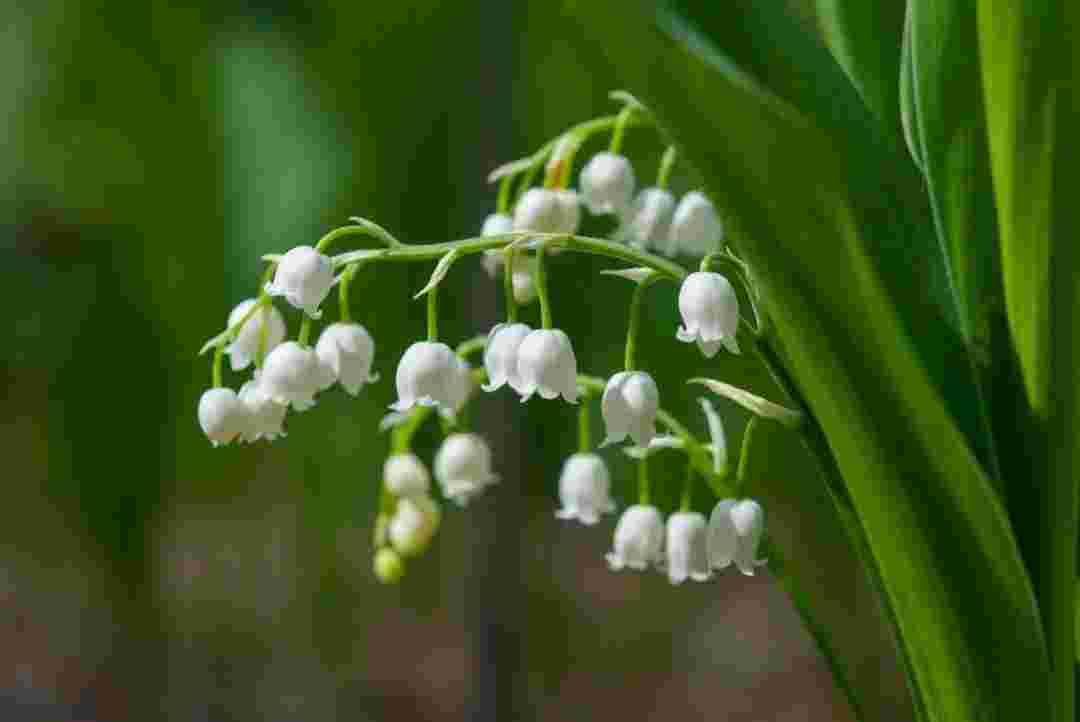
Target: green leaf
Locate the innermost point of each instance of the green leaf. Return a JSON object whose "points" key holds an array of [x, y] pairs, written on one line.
{"points": [[949, 124], [1060, 493], [793, 74], [945, 111], [1017, 42], [865, 37], [1029, 80], [939, 538]]}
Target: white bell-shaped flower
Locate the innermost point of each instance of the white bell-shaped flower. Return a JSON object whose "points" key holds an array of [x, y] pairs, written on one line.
{"points": [[687, 547], [585, 489], [348, 350], [735, 530], [304, 277], [523, 282], [293, 375], [428, 374], [221, 415], [414, 523], [463, 467], [710, 313], [461, 388], [639, 539], [501, 356], [405, 475], [696, 229], [522, 277], [245, 346], [648, 222], [547, 210], [629, 405], [497, 224], [266, 416], [571, 211], [547, 366], [607, 184]]}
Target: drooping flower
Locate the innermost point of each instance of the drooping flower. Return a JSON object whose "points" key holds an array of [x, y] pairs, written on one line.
{"points": [[522, 274], [501, 356], [497, 224], [735, 530], [607, 184], [388, 566], [405, 475], [293, 375], [245, 346], [547, 366], [462, 387], [696, 229], [585, 489], [428, 374], [639, 539], [547, 210], [463, 467], [647, 224], [304, 277], [221, 415], [687, 547], [629, 405], [266, 416], [414, 523], [348, 350], [710, 313]]}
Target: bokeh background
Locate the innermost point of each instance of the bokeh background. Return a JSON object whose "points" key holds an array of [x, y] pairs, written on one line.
{"points": [[149, 153]]}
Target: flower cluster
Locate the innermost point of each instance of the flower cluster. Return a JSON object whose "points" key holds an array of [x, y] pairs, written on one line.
{"points": [[534, 362]]}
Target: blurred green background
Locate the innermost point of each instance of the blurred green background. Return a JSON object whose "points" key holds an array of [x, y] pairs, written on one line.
{"points": [[151, 152]]}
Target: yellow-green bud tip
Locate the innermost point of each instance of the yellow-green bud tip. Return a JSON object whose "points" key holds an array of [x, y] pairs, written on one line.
{"points": [[389, 567]]}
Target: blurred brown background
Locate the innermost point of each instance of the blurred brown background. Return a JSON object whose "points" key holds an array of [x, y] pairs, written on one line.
{"points": [[151, 152]]}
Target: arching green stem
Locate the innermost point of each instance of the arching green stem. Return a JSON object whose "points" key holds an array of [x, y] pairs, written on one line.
{"points": [[304, 336], [621, 121], [632, 326], [502, 203], [469, 246], [644, 495], [531, 165], [433, 314], [508, 284], [584, 429], [343, 293], [542, 287], [473, 345], [361, 227], [744, 452], [686, 500], [667, 162], [215, 368]]}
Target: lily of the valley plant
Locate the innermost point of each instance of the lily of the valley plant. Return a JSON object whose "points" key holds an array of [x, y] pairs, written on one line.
{"points": [[888, 222]]}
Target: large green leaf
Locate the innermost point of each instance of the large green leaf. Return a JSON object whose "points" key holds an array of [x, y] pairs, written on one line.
{"points": [[942, 543], [946, 101], [774, 57], [945, 116], [865, 37], [811, 557], [1029, 61], [1016, 43]]}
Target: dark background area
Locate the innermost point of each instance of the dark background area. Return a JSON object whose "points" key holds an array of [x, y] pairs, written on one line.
{"points": [[151, 152]]}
